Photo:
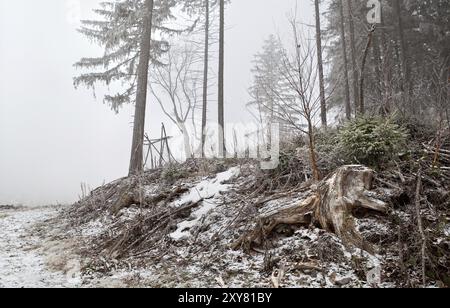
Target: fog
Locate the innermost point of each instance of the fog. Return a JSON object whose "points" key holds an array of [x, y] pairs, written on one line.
{"points": [[53, 137]]}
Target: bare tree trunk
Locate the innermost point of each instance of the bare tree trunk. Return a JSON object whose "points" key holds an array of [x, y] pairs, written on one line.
{"points": [[377, 65], [445, 75], [348, 108], [403, 51], [221, 80], [353, 57], [205, 78], [386, 67], [387, 88], [323, 104], [137, 149], [363, 66], [420, 226], [378, 40], [186, 139], [312, 151]]}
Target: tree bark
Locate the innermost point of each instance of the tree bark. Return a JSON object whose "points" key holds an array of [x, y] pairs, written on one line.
{"points": [[221, 119], [205, 77], [331, 207], [348, 108], [386, 87], [377, 68], [323, 104], [353, 58], [137, 148], [420, 226], [187, 140], [312, 150], [445, 75]]}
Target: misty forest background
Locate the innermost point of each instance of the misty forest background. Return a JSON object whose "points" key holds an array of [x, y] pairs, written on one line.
{"points": [[413, 56], [359, 196], [161, 51]]}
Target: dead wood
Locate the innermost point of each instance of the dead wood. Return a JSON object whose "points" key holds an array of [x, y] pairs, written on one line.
{"points": [[144, 229], [133, 194], [420, 226], [330, 206]]}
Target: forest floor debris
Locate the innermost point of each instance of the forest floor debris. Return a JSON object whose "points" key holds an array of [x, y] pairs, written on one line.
{"points": [[185, 239], [183, 223]]}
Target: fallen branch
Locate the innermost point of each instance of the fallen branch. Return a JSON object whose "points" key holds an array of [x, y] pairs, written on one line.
{"points": [[133, 194], [420, 226]]}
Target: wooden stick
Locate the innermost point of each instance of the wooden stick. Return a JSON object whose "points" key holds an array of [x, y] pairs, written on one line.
{"points": [[420, 226]]}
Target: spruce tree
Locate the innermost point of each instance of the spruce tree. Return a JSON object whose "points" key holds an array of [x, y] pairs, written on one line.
{"points": [[267, 80], [124, 30]]}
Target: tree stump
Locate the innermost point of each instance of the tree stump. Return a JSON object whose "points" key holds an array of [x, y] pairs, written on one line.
{"points": [[349, 188], [331, 206]]}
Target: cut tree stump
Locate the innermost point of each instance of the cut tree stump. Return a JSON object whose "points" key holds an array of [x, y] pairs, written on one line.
{"points": [[330, 206]]}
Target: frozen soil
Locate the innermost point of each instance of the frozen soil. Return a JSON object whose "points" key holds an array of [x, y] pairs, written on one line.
{"points": [[35, 253], [22, 263]]}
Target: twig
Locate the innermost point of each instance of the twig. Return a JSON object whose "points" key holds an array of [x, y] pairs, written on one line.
{"points": [[420, 226]]}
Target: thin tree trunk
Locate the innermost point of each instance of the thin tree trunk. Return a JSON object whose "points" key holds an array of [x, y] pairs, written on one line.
{"points": [[187, 140], [221, 80], [445, 75], [420, 226], [312, 151], [377, 66], [137, 149], [387, 87], [205, 78], [403, 51], [348, 108], [376, 53], [386, 68], [323, 103], [306, 110], [353, 57], [363, 66]]}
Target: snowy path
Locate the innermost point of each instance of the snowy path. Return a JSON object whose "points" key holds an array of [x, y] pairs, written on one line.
{"points": [[21, 265]]}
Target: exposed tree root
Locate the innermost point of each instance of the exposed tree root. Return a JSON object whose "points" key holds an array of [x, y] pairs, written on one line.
{"points": [[331, 207]]}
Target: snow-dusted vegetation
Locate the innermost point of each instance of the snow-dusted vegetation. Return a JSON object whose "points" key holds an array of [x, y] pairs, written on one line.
{"points": [[313, 155]]}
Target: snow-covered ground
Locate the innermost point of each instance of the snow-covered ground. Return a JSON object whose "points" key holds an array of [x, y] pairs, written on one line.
{"points": [[195, 251], [21, 263], [207, 190]]}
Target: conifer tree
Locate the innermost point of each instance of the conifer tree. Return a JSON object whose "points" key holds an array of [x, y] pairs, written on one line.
{"points": [[267, 80], [124, 30]]}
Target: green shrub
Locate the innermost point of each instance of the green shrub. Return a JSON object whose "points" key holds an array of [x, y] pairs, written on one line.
{"points": [[328, 152], [371, 141]]}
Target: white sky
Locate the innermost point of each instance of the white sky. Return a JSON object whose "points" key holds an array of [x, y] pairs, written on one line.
{"points": [[53, 137]]}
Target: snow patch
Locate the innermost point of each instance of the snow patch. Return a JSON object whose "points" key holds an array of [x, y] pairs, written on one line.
{"points": [[207, 190], [93, 228], [447, 230], [21, 265]]}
